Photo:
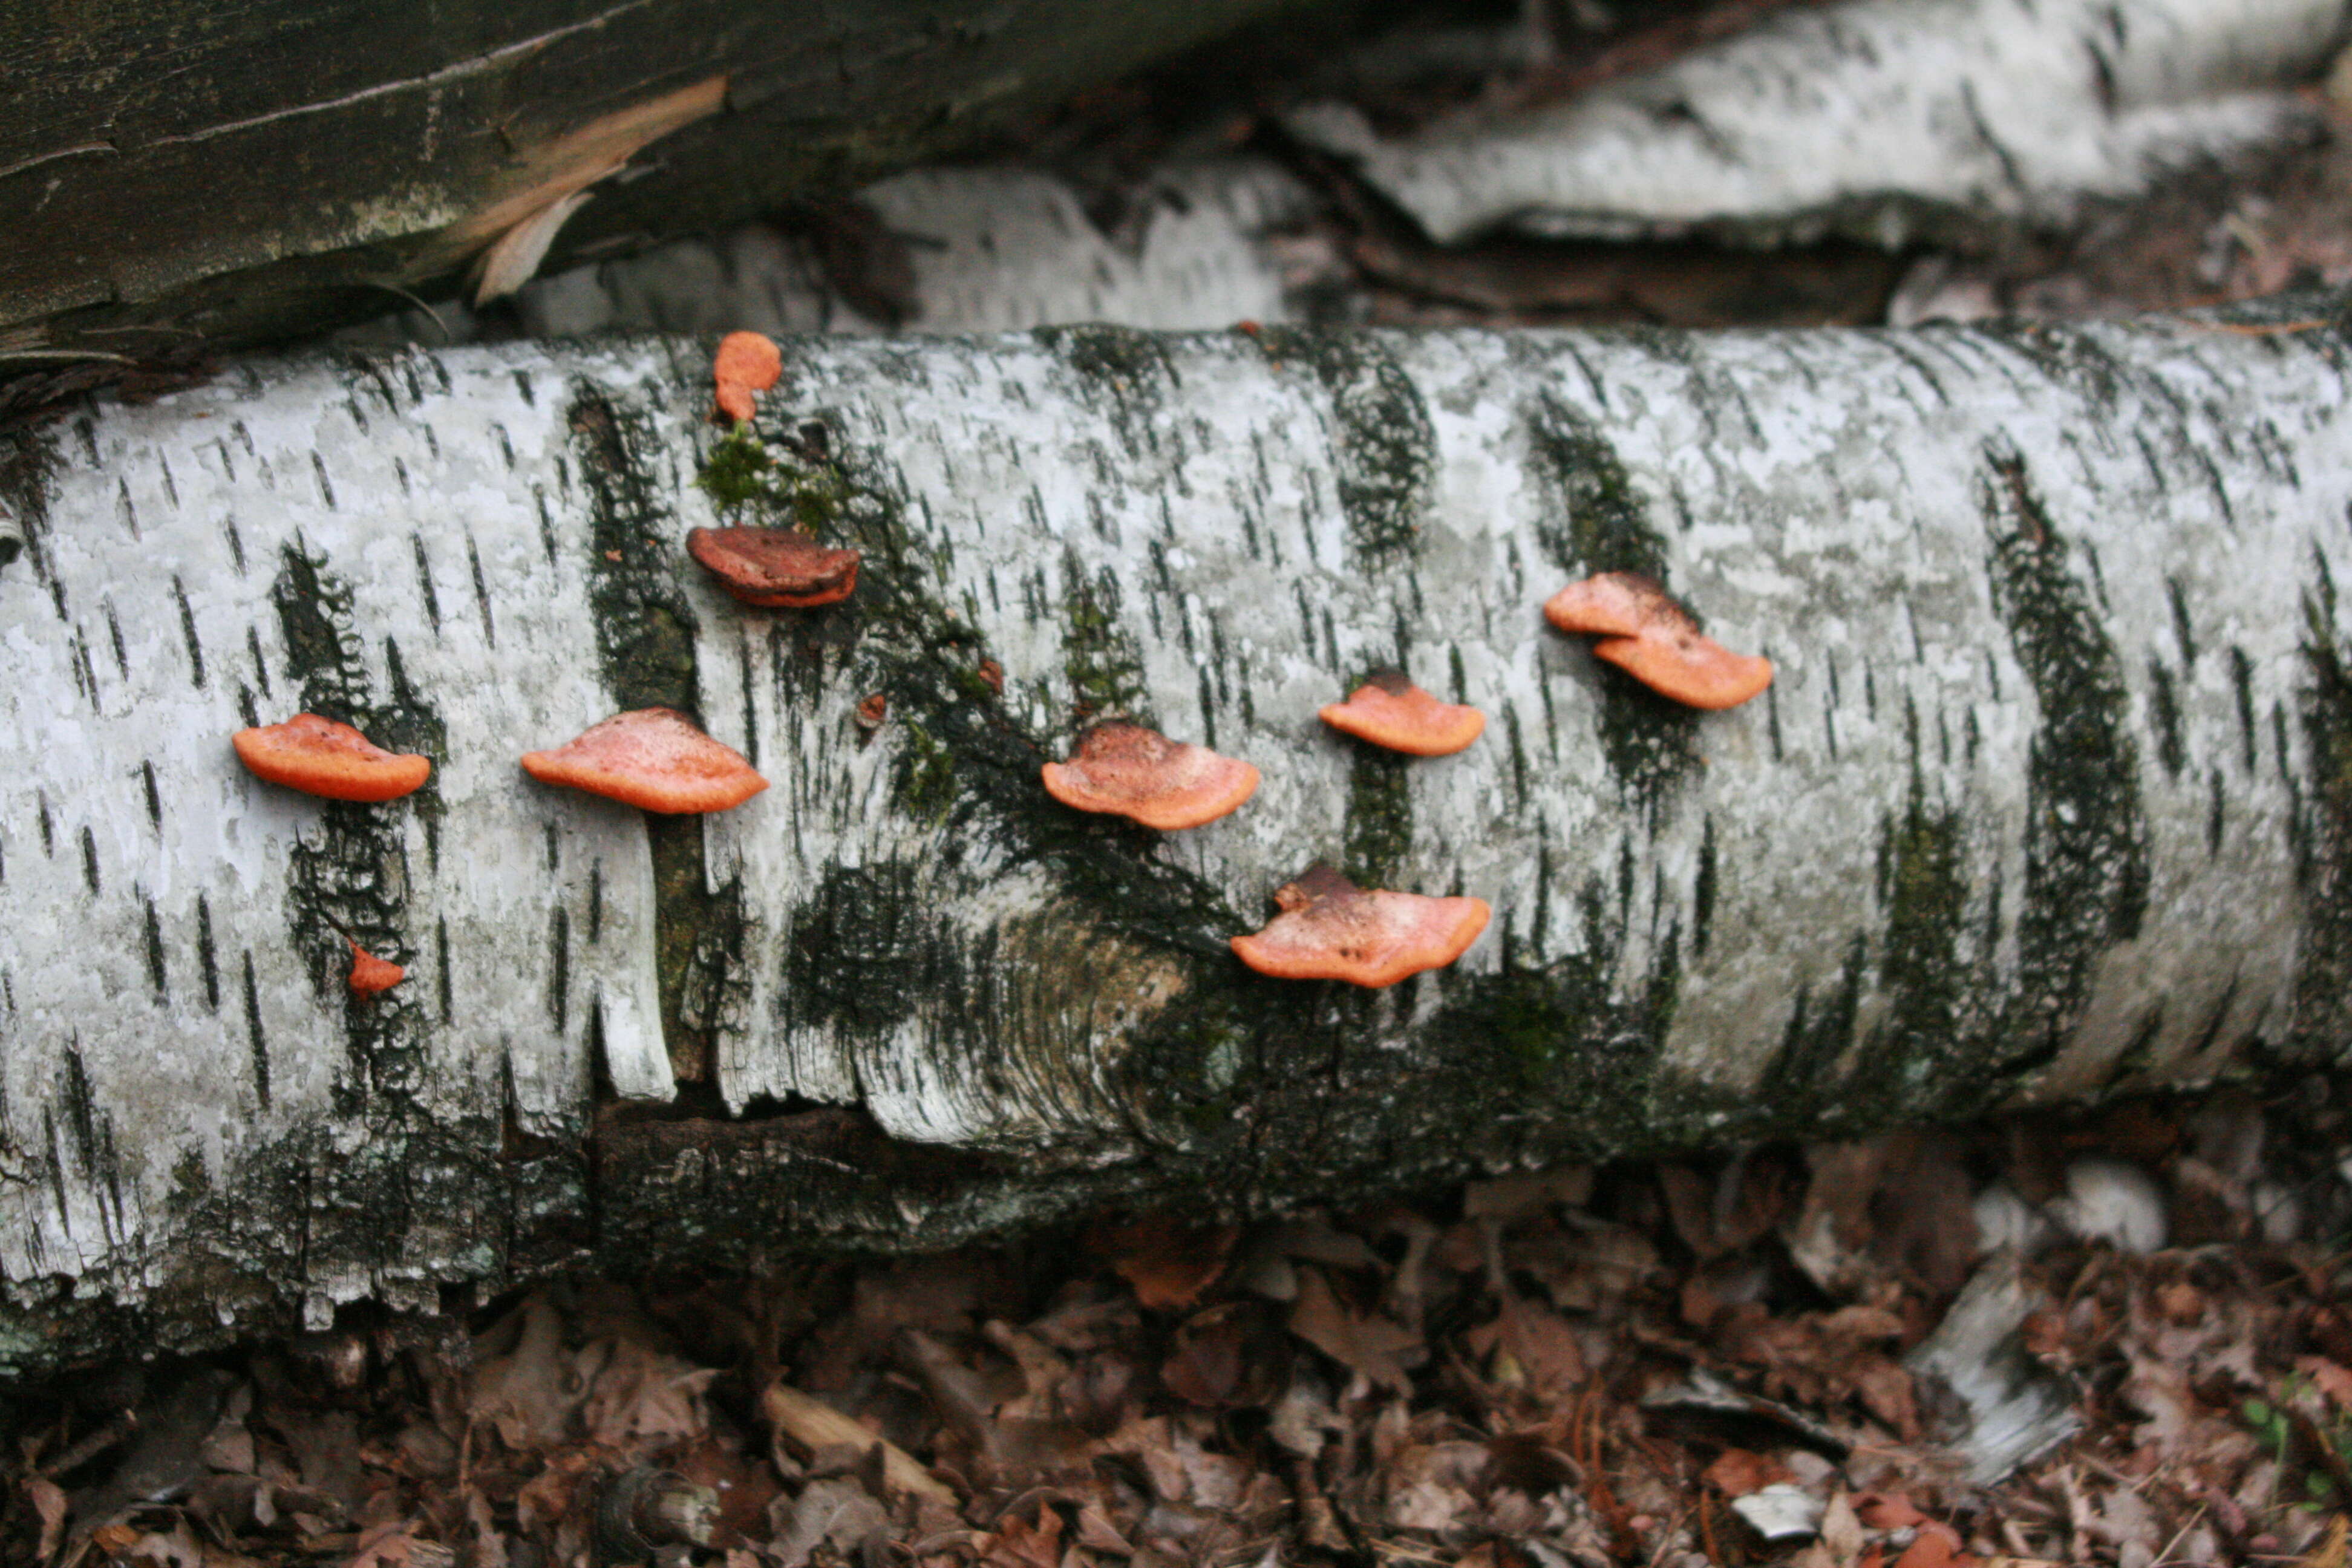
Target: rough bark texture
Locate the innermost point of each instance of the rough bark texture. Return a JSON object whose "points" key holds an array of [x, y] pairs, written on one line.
{"points": [[2050, 797], [1886, 121], [172, 171]]}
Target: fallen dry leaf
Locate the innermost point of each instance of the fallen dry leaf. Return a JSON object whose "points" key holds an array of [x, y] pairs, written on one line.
{"points": [[1369, 1345]]}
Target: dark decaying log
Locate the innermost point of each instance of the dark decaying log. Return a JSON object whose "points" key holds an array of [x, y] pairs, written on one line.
{"points": [[174, 174], [2050, 797]]}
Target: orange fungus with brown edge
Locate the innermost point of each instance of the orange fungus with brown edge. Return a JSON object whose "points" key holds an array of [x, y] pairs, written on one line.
{"points": [[655, 758], [1390, 711], [747, 362], [370, 974], [1655, 640], [1330, 929], [775, 568], [1131, 772], [321, 757]]}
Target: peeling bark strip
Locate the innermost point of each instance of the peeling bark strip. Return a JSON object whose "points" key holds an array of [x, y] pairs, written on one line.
{"points": [[2049, 794]]}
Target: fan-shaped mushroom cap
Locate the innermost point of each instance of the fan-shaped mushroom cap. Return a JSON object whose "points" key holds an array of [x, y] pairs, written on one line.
{"points": [[775, 568], [655, 758], [370, 974], [1390, 711], [1655, 640], [1330, 929], [1141, 774], [320, 756], [1695, 669], [1613, 603], [746, 362]]}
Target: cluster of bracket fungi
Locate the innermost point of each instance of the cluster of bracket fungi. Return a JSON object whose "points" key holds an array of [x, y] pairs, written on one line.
{"points": [[659, 760]]}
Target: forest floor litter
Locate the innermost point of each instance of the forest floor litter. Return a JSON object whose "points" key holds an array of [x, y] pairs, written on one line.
{"points": [[2098, 1337]]}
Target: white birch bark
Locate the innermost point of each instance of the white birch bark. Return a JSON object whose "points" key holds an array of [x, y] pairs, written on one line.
{"points": [[1886, 121], [2044, 800]]}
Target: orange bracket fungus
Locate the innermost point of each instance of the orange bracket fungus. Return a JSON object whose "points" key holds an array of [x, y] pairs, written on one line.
{"points": [[655, 758], [1652, 638], [1330, 929], [318, 756], [370, 974], [775, 568], [747, 362], [1390, 711], [1141, 774]]}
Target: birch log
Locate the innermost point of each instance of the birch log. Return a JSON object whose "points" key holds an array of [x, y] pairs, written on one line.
{"points": [[2050, 796]]}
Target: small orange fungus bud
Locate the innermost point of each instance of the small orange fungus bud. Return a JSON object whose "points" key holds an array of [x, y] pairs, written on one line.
{"points": [[775, 568], [655, 758], [747, 362], [1330, 929], [1131, 772], [1655, 640], [1390, 711], [370, 974], [318, 756]]}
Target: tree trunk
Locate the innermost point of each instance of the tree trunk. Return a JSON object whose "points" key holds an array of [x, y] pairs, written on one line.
{"points": [[2050, 795], [226, 175]]}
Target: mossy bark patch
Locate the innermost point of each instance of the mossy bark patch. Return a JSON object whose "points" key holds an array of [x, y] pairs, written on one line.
{"points": [[2086, 870], [1384, 445], [1596, 521]]}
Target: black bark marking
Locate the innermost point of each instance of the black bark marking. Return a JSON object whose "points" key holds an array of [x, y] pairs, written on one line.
{"points": [[207, 957], [2165, 705], [153, 930], [444, 996], [260, 664], [256, 1046], [481, 594], [2217, 796], [558, 968], [188, 634], [235, 544], [48, 824], [89, 860], [596, 902], [114, 636], [326, 486], [2086, 876], [425, 581], [124, 511], [1703, 891], [2242, 684], [1597, 522], [2182, 629], [154, 800]]}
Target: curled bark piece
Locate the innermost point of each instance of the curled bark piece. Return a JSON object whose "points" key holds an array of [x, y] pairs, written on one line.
{"points": [[654, 758], [1655, 640], [644, 1508], [1128, 771], [370, 974], [1330, 929], [1390, 711], [775, 568], [1883, 120], [321, 757]]}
